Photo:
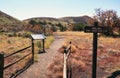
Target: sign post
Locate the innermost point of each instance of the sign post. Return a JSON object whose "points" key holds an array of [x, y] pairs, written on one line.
{"points": [[95, 29], [94, 57]]}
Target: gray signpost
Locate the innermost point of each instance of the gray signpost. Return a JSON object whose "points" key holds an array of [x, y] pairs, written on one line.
{"points": [[95, 29]]}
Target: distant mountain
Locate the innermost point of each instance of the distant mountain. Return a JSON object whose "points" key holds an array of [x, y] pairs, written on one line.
{"points": [[9, 23], [63, 20], [80, 19], [46, 19]]}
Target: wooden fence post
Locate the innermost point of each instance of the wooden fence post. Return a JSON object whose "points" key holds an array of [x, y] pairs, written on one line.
{"points": [[70, 72], [65, 65], [70, 46], [32, 50], [70, 68], [1, 65], [43, 45]]}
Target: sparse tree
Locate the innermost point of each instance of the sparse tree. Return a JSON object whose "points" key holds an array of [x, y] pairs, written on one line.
{"points": [[70, 26], [32, 22], [107, 18]]}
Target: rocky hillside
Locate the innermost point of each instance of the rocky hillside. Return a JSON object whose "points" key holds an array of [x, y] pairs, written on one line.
{"points": [[9, 23]]}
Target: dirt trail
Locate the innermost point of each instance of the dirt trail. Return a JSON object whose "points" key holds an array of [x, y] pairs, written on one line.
{"points": [[39, 69]]}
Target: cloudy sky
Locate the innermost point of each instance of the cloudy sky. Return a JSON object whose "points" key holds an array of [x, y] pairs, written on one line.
{"points": [[23, 9]]}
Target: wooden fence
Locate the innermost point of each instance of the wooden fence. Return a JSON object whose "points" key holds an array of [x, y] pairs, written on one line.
{"points": [[67, 71], [3, 57]]}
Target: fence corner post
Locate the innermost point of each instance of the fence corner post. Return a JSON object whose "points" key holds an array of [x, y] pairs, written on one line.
{"points": [[1, 65]]}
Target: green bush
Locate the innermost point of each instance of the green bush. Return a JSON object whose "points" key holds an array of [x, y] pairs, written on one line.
{"points": [[79, 27]]}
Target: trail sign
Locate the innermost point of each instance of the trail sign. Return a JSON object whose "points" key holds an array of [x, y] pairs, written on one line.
{"points": [[95, 29], [39, 37]]}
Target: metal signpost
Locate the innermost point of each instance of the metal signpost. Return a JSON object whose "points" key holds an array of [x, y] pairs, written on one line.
{"points": [[95, 29]]}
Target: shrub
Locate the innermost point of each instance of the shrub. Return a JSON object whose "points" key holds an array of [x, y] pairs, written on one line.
{"points": [[9, 42], [38, 44], [79, 27], [36, 57], [48, 41], [53, 28], [10, 35], [26, 34], [14, 34], [19, 34]]}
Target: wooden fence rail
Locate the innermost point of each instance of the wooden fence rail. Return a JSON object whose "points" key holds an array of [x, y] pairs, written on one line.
{"points": [[7, 66], [66, 57], [2, 58], [16, 52]]}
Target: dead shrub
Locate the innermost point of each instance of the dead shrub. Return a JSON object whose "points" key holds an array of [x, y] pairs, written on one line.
{"points": [[61, 50], [55, 70], [78, 64], [58, 75], [73, 49]]}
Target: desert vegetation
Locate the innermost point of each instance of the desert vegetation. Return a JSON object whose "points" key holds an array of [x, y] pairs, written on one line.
{"points": [[15, 35], [80, 59], [110, 19], [10, 44]]}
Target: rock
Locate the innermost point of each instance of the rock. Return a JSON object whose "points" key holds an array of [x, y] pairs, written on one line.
{"points": [[101, 46], [113, 52]]}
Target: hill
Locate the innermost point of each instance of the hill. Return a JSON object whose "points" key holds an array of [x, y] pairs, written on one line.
{"points": [[63, 20], [9, 23], [46, 19], [80, 19]]}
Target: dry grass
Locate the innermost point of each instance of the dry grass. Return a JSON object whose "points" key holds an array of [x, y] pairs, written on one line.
{"points": [[70, 33], [11, 44], [55, 69], [81, 56], [48, 41]]}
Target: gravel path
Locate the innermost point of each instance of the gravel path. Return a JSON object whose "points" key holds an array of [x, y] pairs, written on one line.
{"points": [[39, 69]]}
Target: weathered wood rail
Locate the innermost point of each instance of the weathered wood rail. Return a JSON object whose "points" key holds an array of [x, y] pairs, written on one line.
{"points": [[3, 57], [66, 73]]}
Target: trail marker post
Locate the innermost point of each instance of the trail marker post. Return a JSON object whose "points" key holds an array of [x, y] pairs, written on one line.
{"points": [[95, 30]]}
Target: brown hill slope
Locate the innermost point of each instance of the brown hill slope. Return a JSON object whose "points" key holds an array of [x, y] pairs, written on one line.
{"points": [[9, 23], [63, 20], [80, 19]]}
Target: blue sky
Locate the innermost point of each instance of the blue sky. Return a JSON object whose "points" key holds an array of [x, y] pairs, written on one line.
{"points": [[23, 9]]}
